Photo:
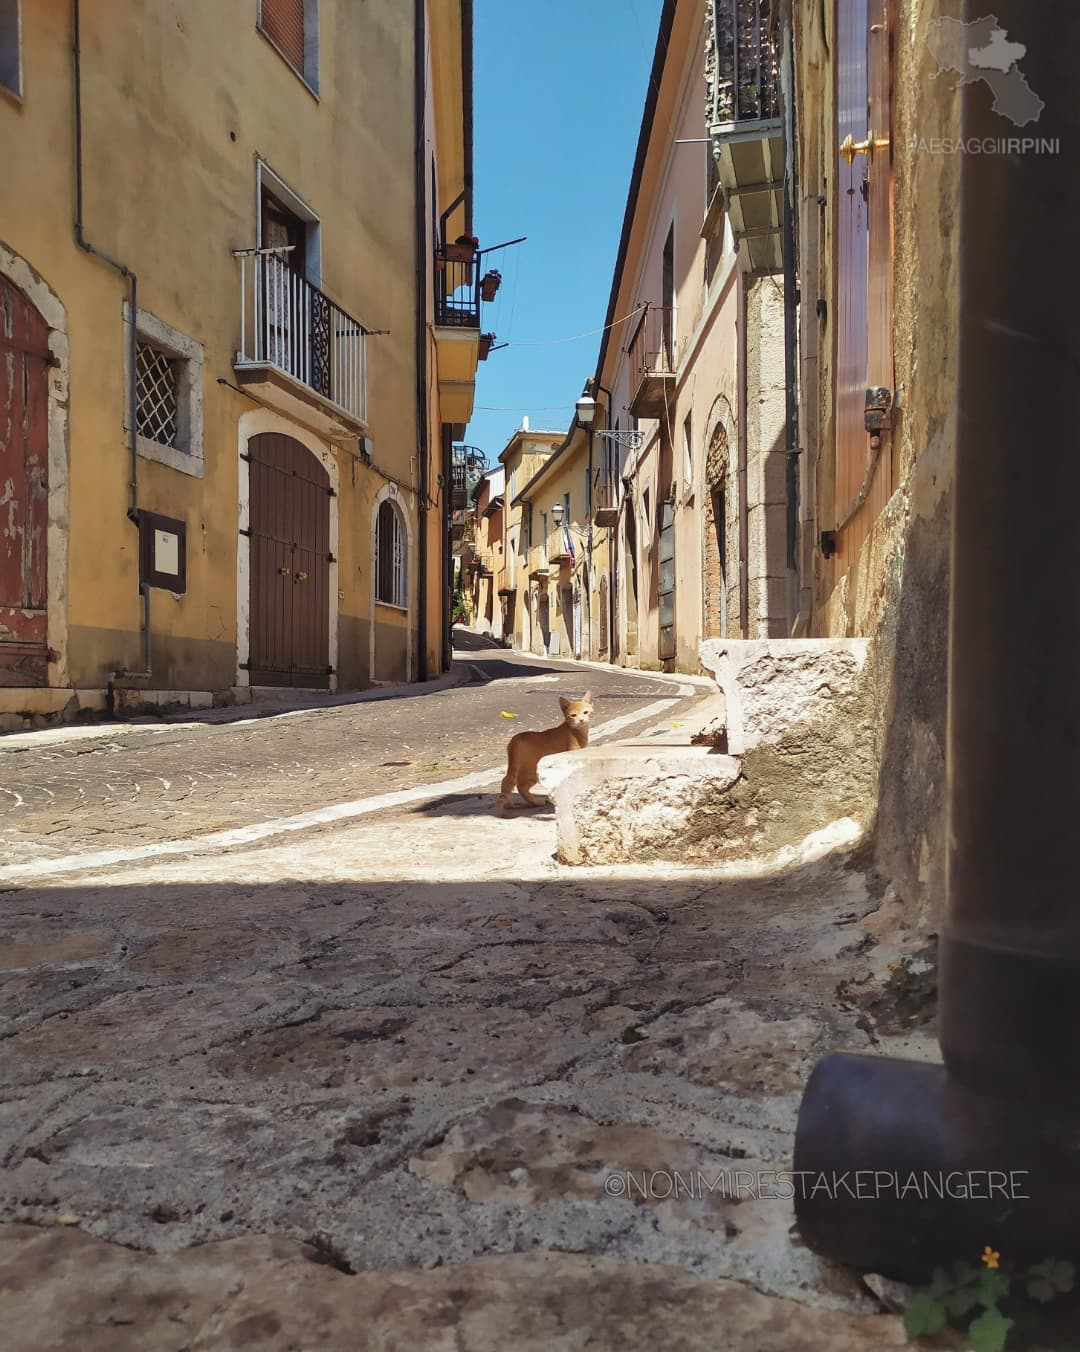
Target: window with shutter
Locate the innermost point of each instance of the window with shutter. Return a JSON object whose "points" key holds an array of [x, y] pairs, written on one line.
{"points": [[10, 56], [390, 557], [864, 250], [291, 25]]}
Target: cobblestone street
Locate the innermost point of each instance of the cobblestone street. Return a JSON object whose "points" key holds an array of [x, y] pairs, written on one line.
{"points": [[400, 1041], [160, 780]]}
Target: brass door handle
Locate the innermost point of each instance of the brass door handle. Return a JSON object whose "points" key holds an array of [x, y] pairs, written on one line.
{"points": [[849, 147], [301, 576], [285, 572]]}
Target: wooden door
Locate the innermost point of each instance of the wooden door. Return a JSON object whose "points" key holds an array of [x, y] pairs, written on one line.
{"points": [[289, 564], [24, 490], [666, 589], [864, 355]]}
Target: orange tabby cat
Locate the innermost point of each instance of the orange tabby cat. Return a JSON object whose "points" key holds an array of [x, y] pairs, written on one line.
{"points": [[527, 748]]}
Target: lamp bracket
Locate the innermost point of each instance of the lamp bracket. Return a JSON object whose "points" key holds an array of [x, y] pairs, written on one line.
{"points": [[632, 440]]}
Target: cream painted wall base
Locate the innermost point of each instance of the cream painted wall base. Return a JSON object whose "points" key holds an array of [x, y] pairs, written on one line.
{"points": [[24, 708]]}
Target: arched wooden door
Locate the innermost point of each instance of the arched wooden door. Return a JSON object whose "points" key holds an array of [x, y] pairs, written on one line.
{"points": [[24, 490], [289, 637]]}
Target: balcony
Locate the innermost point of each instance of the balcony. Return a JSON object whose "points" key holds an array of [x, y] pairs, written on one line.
{"points": [[467, 465], [605, 503], [485, 563], [743, 97], [300, 352], [457, 329], [652, 364], [560, 548]]}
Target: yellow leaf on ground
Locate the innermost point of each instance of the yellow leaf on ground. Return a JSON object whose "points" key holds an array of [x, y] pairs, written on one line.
{"points": [[676, 725], [504, 714]]}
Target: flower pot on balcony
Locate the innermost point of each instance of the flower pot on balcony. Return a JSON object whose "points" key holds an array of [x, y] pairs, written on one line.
{"points": [[489, 284], [463, 249], [486, 341]]}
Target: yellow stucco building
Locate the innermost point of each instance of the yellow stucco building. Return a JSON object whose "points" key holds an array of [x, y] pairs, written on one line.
{"points": [[234, 352], [520, 458], [561, 610]]}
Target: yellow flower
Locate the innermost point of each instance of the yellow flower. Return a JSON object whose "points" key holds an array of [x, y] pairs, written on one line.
{"points": [[504, 714], [990, 1258]]}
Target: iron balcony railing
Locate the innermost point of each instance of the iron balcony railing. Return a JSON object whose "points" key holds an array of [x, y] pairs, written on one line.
{"points": [[605, 495], [652, 348], [743, 71], [559, 547], [457, 287], [287, 323]]}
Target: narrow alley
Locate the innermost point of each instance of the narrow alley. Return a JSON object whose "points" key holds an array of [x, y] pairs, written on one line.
{"points": [[404, 1039]]}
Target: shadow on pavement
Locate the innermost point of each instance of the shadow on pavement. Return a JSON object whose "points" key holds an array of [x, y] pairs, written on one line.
{"points": [[477, 805]]}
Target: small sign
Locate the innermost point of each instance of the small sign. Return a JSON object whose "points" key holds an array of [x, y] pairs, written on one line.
{"points": [[162, 552], [167, 552]]}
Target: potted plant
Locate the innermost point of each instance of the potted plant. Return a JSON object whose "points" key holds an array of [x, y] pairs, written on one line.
{"points": [[489, 283], [487, 341], [462, 249]]}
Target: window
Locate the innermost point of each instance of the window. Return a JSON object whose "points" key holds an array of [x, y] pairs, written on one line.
{"points": [[156, 391], [10, 56], [688, 456], [293, 28], [667, 284], [390, 562], [168, 393]]}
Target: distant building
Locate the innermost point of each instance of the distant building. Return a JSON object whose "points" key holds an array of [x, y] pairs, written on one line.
{"points": [[486, 563], [692, 519], [521, 457]]}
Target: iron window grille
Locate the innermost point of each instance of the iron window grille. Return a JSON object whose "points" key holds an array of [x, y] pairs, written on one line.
{"points": [[156, 395], [390, 573]]}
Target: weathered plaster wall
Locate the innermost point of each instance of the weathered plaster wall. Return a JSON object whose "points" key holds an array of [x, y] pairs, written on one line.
{"points": [[178, 110], [897, 591]]}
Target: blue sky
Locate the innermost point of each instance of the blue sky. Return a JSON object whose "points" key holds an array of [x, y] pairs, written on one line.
{"points": [[559, 87]]}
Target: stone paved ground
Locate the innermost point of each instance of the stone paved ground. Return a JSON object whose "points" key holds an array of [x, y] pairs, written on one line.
{"points": [[173, 780], [385, 1082]]}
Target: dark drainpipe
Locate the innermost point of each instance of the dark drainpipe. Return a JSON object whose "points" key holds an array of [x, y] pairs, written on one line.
{"points": [[423, 449], [1008, 1096], [133, 339]]}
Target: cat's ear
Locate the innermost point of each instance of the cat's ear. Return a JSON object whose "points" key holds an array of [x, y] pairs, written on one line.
{"points": [[587, 697], [564, 704]]}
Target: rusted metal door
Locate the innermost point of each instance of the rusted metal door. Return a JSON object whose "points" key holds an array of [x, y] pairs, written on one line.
{"points": [[24, 490], [289, 564]]}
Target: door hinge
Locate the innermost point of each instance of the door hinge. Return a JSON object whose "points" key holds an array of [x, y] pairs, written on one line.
{"points": [[244, 531], [330, 671], [244, 457], [828, 543], [331, 492], [878, 414], [331, 558], [245, 666]]}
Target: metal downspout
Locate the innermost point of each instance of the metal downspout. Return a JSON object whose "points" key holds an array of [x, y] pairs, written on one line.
{"points": [[423, 449], [133, 338], [1004, 1108]]}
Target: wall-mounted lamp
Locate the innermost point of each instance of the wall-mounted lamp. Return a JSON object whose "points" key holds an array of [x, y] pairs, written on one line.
{"points": [[586, 410], [556, 513]]}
